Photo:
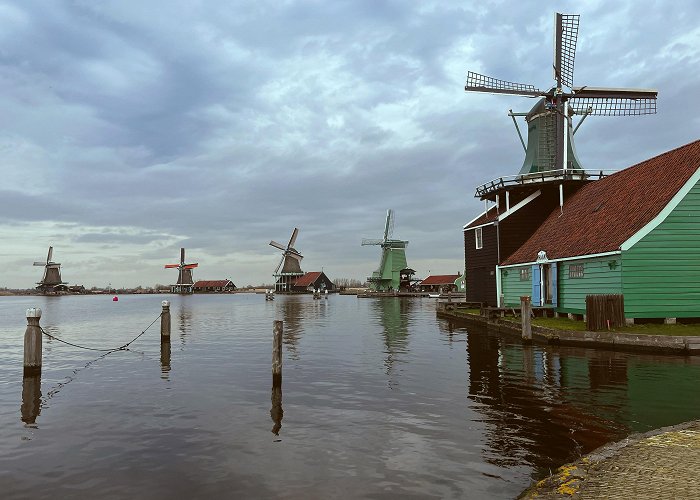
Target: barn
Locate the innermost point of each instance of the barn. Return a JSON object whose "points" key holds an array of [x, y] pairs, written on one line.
{"points": [[313, 281], [213, 286], [635, 232]]}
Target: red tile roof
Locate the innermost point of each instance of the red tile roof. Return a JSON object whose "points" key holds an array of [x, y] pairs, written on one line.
{"points": [[603, 214], [442, 279], [307, 279], [211, 283]]}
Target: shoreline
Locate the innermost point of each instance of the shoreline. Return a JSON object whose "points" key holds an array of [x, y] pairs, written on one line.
{"points": [[629, 342]]}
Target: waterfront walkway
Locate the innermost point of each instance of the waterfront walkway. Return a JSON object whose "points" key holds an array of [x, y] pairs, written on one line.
{"points": [[664, 463]]}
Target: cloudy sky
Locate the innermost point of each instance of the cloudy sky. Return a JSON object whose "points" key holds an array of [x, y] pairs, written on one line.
{"points": [[132, 128]]}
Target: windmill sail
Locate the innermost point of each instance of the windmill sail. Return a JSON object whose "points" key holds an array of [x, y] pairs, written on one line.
{"points": [[550, 145], [289, 267], [185, 281], [51, 279], [393, 258]]}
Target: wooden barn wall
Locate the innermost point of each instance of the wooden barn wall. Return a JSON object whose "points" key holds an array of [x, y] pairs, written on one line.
{"points": [[601, 275], [512, 287], [480, 266], [661, 273], [519, 226]]}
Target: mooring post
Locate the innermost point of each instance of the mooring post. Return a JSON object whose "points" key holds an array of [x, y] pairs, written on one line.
{"points": [[32, 343], [525, 316], [165, 322], [277, 330]]}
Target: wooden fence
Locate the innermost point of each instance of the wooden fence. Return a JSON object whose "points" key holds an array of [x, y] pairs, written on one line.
{"points": [[604, 312]]}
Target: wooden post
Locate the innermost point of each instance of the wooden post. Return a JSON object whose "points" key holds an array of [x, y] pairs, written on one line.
{"points": [[277, 330], [32, 343], [525, 316], [165, 322]]}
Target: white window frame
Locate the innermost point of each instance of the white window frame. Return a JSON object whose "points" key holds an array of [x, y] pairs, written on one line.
{"points": [[478, 238]]}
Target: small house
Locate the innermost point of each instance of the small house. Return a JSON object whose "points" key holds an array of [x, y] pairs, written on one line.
{"points": [[441, 283], [313, 281], [213, 286]]}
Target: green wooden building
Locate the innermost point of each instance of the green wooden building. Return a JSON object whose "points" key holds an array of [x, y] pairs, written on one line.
{"points": [[636, 233]]}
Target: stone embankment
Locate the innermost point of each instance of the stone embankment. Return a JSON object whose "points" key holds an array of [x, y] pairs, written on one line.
{"points": [[659, 464], [664, 344]]}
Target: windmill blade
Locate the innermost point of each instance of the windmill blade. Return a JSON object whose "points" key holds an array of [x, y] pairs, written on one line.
{"points": [[279, 246], [389, 226], [277, 270], [190, 266], [482, 83], [613, 101], [39, 264], [50, 255], [171, 266], [293, 239], [371, 241], [565, 37], [182, 256]]}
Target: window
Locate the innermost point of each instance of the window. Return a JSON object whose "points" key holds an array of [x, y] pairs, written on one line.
{"points": [[525, 274], [575, 270], [478, 237]]}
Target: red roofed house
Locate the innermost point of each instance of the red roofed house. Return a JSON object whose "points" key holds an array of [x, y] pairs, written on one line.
{"points": [[213, 286], [635, 232], [313, 281], [439, 283]]}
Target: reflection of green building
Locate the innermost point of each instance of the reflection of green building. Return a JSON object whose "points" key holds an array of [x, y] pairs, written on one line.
{"points": [[558, 404], [393, 315]]}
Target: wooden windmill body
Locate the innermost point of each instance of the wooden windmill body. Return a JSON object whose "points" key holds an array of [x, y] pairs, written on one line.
{"points": [[51, 280], [185, 282], [289, 267]]}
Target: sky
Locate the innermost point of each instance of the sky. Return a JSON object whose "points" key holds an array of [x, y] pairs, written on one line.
{"points": [[130, 129]]}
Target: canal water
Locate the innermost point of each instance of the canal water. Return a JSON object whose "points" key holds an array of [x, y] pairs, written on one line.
{"points": [[379, 400]]}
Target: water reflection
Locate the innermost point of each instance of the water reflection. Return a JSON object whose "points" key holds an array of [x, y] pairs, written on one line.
{"points": [[165, 360], [31, 399], [292, 313], [522, 393], [276, 412], [393, 315], [184, 316]]}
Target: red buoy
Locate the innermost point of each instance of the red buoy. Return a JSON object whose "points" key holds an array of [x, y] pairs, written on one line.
{"points": [[115, 299]]}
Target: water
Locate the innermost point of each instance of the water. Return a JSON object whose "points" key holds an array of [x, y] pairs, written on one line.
{"points": [[379, 400]]}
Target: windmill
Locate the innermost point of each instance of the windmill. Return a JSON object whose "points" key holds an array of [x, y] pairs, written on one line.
{"points": [[52, 274], [393, 270], [550, 151], [184, 277], [289, 268]]}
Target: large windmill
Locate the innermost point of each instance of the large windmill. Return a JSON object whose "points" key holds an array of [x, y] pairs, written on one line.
{"points": [[393, 270], [52, 274], [185, 283], [550, 154], [289, 268]]}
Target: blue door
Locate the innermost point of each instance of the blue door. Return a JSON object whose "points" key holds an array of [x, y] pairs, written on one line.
{"points": [[536, 285]]}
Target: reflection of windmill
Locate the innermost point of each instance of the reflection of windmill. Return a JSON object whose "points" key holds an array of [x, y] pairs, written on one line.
{"points": [[52, 274], [393, 264], [184, 277], [289, 268], [550, 146]]}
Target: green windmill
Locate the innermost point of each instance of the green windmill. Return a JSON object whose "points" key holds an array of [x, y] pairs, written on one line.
{"points": [[393, 273]]}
